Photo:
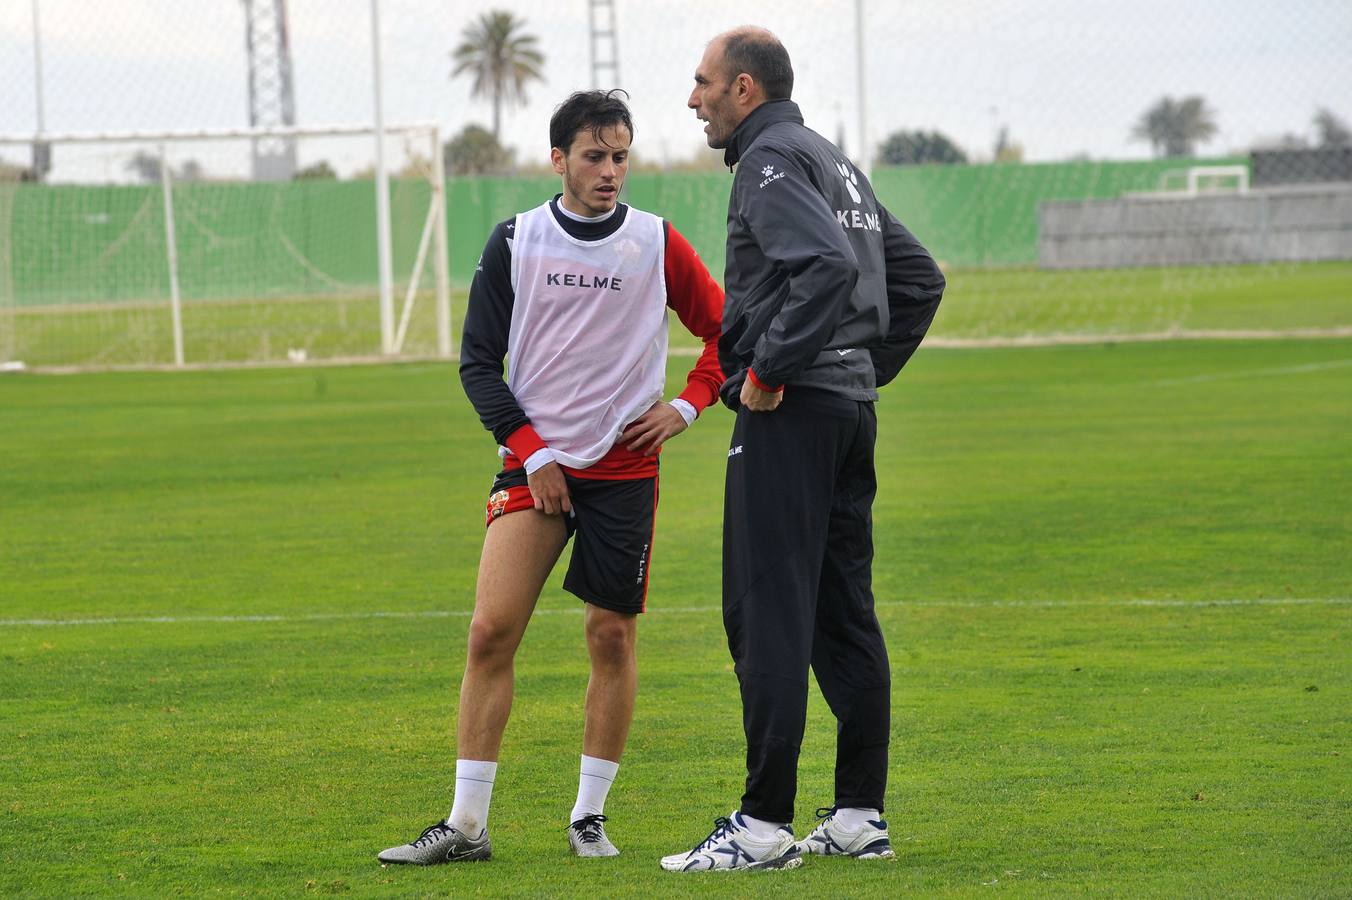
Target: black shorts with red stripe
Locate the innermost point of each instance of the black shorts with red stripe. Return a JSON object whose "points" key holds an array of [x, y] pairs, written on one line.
{"points": [[613, 521]]}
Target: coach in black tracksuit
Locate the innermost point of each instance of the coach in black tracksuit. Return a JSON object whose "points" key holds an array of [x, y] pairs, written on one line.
{"points": [[827, 297]]}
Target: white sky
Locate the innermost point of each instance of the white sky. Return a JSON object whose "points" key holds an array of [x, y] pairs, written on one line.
{"points": [[1068, 77]]}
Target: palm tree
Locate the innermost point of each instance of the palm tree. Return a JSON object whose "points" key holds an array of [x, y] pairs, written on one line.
{"points": [[1173, 127], [501, 58]]}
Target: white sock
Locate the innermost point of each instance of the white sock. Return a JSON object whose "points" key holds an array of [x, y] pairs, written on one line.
{"points": [[593, 784], [759, 828], [851, 817], [473, 790]]}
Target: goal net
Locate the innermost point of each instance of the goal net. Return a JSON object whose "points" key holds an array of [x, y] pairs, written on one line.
{"points": [[161, 248]]}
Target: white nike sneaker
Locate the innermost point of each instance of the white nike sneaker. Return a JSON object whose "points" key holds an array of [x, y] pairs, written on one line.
{"points": [[440, 843], [587, 837], [868, 841], [731, 846]]}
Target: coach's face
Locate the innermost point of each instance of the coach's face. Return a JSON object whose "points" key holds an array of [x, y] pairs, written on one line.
{"points": [[593, 169], [714, 97]]}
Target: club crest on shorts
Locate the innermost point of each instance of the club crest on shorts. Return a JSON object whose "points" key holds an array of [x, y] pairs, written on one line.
{"points": [[497, 504]]}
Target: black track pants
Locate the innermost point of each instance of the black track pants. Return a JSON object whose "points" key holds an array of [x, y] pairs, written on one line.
{"points": [[797, 591]]}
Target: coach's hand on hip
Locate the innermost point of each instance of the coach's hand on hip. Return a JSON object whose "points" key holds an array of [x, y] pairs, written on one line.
{"points": [[549, 490], [757, 400], [648, 432]]}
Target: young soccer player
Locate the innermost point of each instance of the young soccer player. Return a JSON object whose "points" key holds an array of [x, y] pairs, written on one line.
{"points": [[575, 294]]}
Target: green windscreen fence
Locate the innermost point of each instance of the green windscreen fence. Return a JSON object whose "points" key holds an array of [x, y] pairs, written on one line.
{"points": [[108, 243], [289, 270], [265, 271], [75, 244], [968, 216], [983, 216]]}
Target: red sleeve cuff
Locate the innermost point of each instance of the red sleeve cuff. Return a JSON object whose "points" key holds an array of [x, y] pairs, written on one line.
{"points": [[698, 396], [762, 385], [524, 441]]}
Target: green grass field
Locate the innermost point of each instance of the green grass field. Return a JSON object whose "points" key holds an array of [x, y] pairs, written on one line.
{"points": [[980, 305], [1115, 580]]}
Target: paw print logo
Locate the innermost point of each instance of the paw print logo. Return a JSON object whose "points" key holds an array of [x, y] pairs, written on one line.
{"points": [[768, 171], [851, 180]]}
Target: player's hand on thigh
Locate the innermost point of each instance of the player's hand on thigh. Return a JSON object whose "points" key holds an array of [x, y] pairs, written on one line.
{"points": [[549, 489], [650, 431]]}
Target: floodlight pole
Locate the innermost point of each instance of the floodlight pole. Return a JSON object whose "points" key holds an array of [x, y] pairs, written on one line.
{"points": [[37, 65], [41, 154], [382, 195], [865, 148]]}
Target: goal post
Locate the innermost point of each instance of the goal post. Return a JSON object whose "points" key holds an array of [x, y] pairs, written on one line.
{"points": [[159, 248], [1196, 181]]}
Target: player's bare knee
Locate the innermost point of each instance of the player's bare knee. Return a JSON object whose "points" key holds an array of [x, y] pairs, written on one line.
{"points": [[610, 639], [491, 641]]}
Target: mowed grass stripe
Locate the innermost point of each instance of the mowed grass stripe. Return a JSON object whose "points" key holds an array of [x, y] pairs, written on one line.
{"points": [[1156, 751], [464, 614], [264, 493]]}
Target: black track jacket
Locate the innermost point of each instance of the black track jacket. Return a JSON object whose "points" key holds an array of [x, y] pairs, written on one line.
{"points": [[824, 287]]}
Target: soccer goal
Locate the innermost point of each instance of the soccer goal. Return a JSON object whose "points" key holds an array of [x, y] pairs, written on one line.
{"points": [[1197, 180], [162, 248]]}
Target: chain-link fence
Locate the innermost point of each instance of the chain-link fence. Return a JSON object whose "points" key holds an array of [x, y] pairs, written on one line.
{"points": [[1041, 135]]}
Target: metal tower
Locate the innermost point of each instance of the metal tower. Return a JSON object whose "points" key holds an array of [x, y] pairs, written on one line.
{"points": [[272, 101], [605, 47]]}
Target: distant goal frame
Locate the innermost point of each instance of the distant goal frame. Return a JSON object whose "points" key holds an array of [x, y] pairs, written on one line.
{"points": [[433, 244]]}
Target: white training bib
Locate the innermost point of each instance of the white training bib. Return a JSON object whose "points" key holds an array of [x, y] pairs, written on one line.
{"points": [[587, 351]]}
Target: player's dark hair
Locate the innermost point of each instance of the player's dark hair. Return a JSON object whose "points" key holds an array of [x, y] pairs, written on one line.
{"points": [[760, 55], [589, 111]]}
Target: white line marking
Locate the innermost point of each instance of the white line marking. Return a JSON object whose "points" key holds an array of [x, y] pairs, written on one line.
{"points": [[674, 610], [1073, 340], [1180, 334], [1250, 373], [933, 343]]}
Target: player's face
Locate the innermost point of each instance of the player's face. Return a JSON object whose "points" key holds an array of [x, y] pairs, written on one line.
{"points": [[593, 170], [712, 98]]}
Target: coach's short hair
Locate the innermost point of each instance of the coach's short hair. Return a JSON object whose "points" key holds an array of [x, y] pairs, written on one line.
{"points": [[759, 54], [590, 111]]}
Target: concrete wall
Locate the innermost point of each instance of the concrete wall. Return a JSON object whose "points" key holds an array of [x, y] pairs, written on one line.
{"points": [[1307, 222]]}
